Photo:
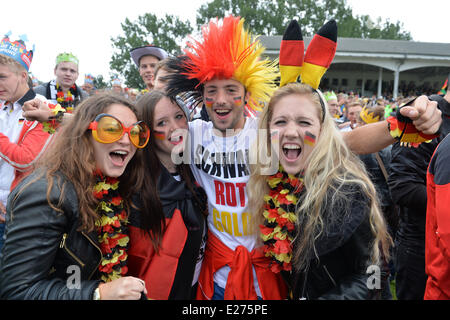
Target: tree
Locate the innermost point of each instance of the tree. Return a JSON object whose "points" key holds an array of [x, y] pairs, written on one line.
{"points": [[271, 17], [167, 33], [99, 82]]}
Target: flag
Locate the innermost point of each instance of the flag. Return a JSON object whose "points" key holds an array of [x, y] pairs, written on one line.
{"points": [[444, 87]]}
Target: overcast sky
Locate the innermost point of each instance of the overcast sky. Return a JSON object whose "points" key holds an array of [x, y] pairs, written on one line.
{"points": [[84, 27]]}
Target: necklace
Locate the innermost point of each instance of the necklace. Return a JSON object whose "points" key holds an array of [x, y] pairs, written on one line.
{"points": [[66, 100], [278, 229], [111, 228]]}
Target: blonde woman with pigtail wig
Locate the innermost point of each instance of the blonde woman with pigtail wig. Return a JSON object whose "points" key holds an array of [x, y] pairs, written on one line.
{"points": [[320, 219]]}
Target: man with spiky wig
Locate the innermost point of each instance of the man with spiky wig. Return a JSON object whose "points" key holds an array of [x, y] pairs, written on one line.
{"points": [[226, 72]]}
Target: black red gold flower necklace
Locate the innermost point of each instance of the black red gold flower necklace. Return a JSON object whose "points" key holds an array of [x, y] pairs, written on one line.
{"points": [[66, 100], [278, 229], [111, 228]]}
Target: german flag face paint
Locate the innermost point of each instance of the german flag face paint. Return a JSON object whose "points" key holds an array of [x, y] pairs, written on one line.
{"points": [[310, 139], [209, 102], [159, 135], [237, 101]]}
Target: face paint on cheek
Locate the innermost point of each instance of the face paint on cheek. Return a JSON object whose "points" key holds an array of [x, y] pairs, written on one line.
{"points": [[310, 139], [159, 135], [237, 101], [209, 102], [274, 135]]}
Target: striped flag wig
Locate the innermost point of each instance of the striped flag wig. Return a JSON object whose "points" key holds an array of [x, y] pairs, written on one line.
{"points": [[311, 65], [226, 51], [292, 50]]}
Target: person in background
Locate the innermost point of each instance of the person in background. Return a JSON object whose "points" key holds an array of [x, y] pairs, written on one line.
{"points": [[162, 70], [146, 59], [342, 102], [88, 84], [133, 94], [352, 110], [333, 106], [378, 167], [21, 142], [408, 186], [63, 89], [116, 86], [437, 228]]}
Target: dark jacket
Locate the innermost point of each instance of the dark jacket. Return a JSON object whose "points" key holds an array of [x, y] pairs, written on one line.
{"points": [[407, 182], [390, 210], [343, 250], [376, 174], [44, 256], [169, 274]]}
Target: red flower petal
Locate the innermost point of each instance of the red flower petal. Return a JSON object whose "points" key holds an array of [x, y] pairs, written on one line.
{"points": [[265, 230], [275, 267], [282, 246], [273, 213], [116, 200]]}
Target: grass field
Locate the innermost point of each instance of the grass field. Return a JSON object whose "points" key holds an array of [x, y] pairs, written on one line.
{"points": [[394, 296]]}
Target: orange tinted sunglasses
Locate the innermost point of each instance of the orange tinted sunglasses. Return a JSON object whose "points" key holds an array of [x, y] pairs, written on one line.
{"points": [[107, 129]]}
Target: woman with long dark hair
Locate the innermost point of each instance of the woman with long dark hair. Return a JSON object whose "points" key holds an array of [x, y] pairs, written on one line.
{"points": [[168, 254]]}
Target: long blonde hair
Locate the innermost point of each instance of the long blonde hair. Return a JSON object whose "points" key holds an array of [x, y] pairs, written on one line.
{"points": [[331, 165]]}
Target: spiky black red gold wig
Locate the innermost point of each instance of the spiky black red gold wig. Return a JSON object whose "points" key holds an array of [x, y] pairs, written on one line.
{"points": [[226, 51]]}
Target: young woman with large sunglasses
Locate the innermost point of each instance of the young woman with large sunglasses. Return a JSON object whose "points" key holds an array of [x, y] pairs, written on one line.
{"points": [[66, 231], [168, 256], [167, 212]]}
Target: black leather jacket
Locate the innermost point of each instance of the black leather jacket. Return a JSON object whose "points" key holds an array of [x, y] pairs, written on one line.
{"points": [[44, 256], [340, 272]]}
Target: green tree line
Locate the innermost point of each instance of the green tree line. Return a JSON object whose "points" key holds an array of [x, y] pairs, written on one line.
{"points": [[263, 17]]}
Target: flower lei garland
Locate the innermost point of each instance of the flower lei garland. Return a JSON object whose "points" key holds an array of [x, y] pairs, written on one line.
{"points": [[66, 102], [53, 122], [278, 230], [112, 229]]}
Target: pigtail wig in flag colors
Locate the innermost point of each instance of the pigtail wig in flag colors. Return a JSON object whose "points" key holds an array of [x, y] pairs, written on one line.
{"points": [[227, 51], [320, 54], [313, 64], [291, 53]]}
